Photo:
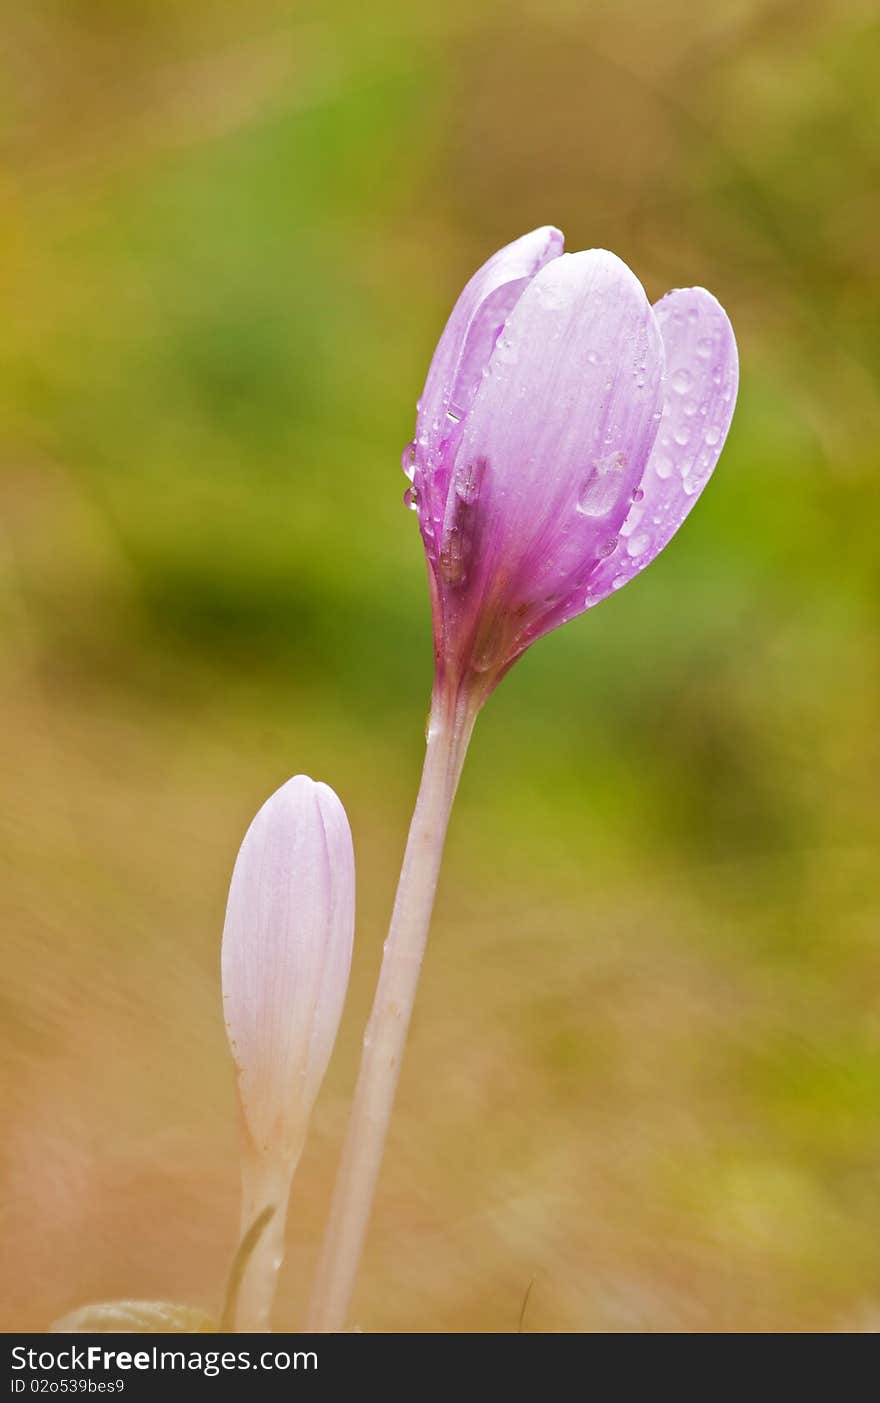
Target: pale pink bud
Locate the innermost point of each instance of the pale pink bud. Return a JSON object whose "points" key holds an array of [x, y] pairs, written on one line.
{"points": [[285, 963]]}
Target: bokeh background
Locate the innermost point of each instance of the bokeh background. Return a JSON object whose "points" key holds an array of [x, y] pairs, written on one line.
{"points": [[644, 1073]]}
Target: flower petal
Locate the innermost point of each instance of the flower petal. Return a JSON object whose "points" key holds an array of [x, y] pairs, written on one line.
{"points": [[700, 393], [557, 440], [335, 967], [463, 352]]}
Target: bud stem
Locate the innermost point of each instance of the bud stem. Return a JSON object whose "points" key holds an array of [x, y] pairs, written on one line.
{"points": [[254, 1275], [449, 730], [240, 1262]]}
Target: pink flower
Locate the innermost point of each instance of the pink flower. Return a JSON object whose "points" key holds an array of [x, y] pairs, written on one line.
{"points": [[565, 430]]}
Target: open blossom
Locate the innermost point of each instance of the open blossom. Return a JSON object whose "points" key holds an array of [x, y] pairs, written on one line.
{"points": [[565, 430], [286, 957]]}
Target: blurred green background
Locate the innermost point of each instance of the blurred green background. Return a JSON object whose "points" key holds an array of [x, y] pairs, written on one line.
{"points": [[644, 1073]]}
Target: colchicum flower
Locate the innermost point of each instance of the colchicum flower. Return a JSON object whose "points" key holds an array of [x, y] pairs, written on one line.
{"points": [[565, 431], [286, 956]]}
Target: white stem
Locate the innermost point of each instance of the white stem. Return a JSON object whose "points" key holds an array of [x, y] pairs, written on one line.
{"points": [[264, 1186], [449, 731]]}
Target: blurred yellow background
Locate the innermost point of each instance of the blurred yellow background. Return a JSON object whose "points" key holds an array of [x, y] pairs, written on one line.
{"points": [[644, 1073]]}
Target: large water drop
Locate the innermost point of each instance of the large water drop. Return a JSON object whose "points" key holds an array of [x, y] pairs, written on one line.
{"points": [[601, 489]]}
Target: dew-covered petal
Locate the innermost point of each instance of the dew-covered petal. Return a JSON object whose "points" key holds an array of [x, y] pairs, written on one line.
{"points": [[702, 373], [470, 334], [560, 431], [286, 956], [462, 354]]}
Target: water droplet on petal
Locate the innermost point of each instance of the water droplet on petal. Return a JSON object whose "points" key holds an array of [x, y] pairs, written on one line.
{"points": [[682, 436], [601, 489], [637, 544], [606, 548], [705, 347], [663, 467], [681, 380], [638, 494], [712, 435], [485, 655], [411, 498], [408, 461], [467, 483], [452, 562]]}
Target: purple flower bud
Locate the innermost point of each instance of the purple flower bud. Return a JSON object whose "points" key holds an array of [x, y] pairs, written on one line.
{"points": [[565, 431]]}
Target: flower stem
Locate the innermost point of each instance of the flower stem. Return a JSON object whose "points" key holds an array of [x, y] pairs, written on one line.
{"points": [[254, 1276], [449, 730]]}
